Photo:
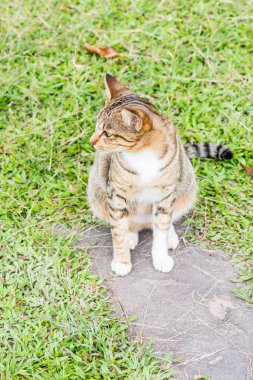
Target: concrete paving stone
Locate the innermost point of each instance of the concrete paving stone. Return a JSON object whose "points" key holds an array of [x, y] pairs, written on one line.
{"points": [[190, 311]]}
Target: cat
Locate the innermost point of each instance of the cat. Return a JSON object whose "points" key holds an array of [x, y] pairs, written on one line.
{"points": [[142, 176]]}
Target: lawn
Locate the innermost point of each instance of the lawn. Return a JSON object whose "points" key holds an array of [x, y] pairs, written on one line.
{"points": [[193, 60]]}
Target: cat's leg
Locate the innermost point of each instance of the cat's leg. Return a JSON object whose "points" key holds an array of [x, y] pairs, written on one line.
{"points": [[121, 263], [172, 239], [139, 219], [133, 238], [161, 229], [182, 206], [98, 201], [184, 202]]}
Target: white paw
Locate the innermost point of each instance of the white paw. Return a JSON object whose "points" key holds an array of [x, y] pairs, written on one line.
{"points": [[163, 263], [172, 241], [132, 239], [121, 269]]}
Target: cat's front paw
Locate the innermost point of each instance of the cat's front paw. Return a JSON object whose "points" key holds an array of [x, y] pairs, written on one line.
{"points": [[121, 269], [164, 263], [172, 241]]}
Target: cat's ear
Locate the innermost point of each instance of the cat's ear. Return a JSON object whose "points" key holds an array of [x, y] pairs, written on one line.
{"points": [[113, 87], [131, 119]]}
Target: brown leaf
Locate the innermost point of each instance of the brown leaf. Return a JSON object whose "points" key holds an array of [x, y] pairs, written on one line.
{"points": [[249, 170], [6, 149], [64, 7], [67, 352], [106, 52], [72, 187]]}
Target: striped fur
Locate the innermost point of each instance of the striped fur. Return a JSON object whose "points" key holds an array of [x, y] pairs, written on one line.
{"points": [[208, 150], [141, 176]]}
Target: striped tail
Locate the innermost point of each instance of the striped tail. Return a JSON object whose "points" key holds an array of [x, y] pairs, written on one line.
{"points": [[208, 150]]}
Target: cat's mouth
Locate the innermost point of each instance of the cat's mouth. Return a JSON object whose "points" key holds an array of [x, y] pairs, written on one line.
{"points": [[94, 139], [96, 143], [107, 149]]}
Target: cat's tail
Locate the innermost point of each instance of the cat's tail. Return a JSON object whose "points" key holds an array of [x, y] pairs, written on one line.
{"points": [[208, 150]]}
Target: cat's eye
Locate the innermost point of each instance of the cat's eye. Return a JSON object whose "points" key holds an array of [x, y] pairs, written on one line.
{"points": [[107, 134]]}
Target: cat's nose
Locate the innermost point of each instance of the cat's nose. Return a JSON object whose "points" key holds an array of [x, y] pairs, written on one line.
{"points": [[94, 138]]}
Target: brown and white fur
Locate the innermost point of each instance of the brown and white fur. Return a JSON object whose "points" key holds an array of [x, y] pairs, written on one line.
{"points": [[142, 176]]}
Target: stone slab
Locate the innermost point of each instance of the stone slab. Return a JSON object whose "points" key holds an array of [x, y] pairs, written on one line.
{"points": [[190, 311]]}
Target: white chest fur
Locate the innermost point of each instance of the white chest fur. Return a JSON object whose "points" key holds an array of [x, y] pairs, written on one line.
{"points": [[145, 163], [148, 196]]}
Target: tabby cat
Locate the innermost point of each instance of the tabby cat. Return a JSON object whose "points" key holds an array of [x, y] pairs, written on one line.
{"points": [[142, 176]]}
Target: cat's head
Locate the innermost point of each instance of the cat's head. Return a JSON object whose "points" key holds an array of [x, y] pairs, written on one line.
{"points": [[123, 121]]}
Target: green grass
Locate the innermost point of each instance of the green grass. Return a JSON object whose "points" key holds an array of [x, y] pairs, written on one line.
{"points": [[193, 60]]}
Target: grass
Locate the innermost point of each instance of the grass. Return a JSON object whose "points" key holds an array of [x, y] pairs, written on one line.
{"points": [[192, 59]]}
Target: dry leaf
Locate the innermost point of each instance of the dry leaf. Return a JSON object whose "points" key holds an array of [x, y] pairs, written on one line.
{"points": [[67, 352], [106, 52], [249, 170], [64, 7], [6, 149], [72, 188]]}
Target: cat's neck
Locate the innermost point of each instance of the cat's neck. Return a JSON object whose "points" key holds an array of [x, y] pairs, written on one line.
{"points": [[145, 163]]}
